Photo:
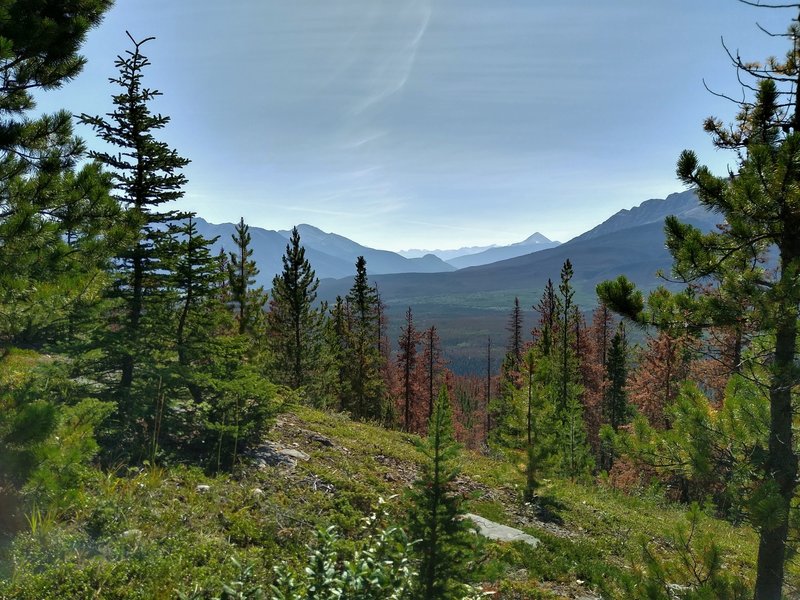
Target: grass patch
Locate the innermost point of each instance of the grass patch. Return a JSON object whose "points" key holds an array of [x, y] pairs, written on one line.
{"points": [[150, 533]]}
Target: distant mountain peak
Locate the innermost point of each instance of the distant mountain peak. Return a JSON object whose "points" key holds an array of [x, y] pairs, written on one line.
{"points": [[534, 238]]}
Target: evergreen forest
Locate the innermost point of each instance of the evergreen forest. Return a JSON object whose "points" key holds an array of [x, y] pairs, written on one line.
{"points": [[169, 428]]}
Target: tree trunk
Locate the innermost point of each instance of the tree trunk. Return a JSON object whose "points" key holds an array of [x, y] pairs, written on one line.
{"points": [[135, 315], [781, 463]]}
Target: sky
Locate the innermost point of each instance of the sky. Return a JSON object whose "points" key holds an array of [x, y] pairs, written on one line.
{"points": [[429, 123]]}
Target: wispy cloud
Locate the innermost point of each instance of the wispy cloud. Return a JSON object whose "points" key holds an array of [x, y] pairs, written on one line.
{"points": [[395, 70], [360, 141]]}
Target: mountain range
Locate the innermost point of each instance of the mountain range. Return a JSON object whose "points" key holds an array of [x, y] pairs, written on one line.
{"points": [[470, 305], [468, 297], [472, 256], [333, 256], [631, 242]]}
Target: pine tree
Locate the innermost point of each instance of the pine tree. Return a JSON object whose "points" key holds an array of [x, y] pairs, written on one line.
{"points": [[758, 204], [467, 392], [56, 236], [436, 517], [294, 324], [593, 353], [56, 220]]}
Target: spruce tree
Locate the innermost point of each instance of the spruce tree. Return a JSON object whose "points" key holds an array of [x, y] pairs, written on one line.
{"points": [[616, 401], [564, 305], [249, 301], [514, 328], [616, 410], [407, 365], [364, 364], [194, 277], [294, 324], [434, 364], [575, 457], [338, 350], [546, 307], [216, 401], [507, 408], [146, 174], [446, 541]]}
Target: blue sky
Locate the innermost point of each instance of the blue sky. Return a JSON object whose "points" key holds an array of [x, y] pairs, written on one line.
{"points": [[429, 123]]}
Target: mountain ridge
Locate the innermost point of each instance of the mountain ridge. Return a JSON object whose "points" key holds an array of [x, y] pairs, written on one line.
{"points": [[471, 304]]}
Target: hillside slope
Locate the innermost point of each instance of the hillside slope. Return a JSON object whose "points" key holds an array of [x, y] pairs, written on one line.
{"points": [[684, 205], [154, 532]]}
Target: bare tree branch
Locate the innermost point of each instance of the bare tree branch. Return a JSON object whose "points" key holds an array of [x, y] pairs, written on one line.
{"points": [[760, 5]]}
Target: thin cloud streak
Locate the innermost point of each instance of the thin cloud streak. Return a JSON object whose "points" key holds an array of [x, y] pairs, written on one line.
{"points": [[402, 65]]}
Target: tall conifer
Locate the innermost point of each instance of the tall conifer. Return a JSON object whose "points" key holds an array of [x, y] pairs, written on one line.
{"points": [[147, 175], [248, 301], [758, 202], [294, 323], [407, 365], [365, 364], [446, 541]]}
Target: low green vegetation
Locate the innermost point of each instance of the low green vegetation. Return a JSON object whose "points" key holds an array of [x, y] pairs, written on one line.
{"points": [[151, 532]]}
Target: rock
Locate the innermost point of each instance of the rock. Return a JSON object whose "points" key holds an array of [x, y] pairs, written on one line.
{"points": [[675, 590], [320, 439], [132, 533], [269, 454], [257, 492], [293, 453], [202, 488], [501, 533]]}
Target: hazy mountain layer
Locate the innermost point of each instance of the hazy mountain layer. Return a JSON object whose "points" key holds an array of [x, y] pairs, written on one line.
{"points": [[534, 243], [470, 305], [331, 255]]}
